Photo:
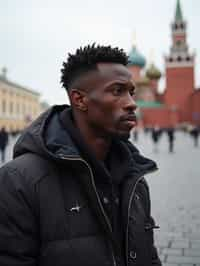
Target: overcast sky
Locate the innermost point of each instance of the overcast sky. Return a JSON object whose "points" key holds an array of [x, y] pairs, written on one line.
{"points": [[36, 35]]}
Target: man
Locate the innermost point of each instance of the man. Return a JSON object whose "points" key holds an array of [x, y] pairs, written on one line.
{"points": [[3, 143], [75, 194]]}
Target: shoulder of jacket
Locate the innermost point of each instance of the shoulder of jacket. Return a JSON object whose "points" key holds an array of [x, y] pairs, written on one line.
{"points": [[144, 181], [29, 168]]}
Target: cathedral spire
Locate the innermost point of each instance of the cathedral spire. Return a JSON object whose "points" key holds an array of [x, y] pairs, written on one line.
{"points": [[179, 51], [178, 14]]}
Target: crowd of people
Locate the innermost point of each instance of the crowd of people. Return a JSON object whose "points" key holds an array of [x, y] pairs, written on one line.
{"points": [[156, 132]]}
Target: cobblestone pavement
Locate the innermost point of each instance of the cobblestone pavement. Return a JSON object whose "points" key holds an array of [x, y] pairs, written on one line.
{"points": [[175, 195]]}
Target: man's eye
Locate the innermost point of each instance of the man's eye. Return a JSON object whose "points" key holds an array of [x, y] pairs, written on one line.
{"points": [[132, 92], [117, 90]]}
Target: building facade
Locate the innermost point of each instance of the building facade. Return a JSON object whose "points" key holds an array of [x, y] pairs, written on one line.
{"points": [[18, 105], [179, 65], [180, 102]]}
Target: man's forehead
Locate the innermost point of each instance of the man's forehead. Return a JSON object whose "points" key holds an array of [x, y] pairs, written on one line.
{"points": [[106, 73], [114, 70]]}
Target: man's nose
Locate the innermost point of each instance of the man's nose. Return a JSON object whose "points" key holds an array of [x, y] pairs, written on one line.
{"points": [[130, 103]]}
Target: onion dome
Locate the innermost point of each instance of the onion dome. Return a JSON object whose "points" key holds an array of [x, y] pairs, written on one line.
{"points": [[135, 58], [153, 72], [143, 81]]}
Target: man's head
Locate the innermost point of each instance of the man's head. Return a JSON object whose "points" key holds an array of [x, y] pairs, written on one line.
{"points": [[101, 89]]}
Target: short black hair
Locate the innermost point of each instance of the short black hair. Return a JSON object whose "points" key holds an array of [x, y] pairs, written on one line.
{"points": [[86, 58]]}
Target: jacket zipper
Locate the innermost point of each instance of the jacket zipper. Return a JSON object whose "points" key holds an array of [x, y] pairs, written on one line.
{"points": [[99, 201], [129, 206]]}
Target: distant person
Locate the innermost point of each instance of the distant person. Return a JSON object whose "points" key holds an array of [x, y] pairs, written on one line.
{"points": [[155, 135], [75, 193], [3, 143], [171, 137], [147, 130], [135, 135], [195, 135]]}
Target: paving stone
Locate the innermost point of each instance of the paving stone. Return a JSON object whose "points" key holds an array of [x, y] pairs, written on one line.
{"points": [[195, 236], [191, 252], [169, 235], [188, 264], [196, 242], [162, 257], [163, 244], [195, 246], [180, 244], [183, 259], [169, 264], [172, 251]]}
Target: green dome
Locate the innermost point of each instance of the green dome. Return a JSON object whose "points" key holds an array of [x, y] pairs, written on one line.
{"points": [[153, 72], [143, 81], [135, 58]]}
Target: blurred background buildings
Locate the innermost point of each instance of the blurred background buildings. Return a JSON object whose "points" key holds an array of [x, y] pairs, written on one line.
{"points": [[179, 104], [18, 105]]}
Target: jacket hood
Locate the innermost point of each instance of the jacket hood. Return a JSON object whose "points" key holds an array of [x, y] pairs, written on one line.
{"points": [[47, 138]]}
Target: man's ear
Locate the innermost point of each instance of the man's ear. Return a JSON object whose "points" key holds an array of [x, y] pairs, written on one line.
{"points": [[78, 99]]}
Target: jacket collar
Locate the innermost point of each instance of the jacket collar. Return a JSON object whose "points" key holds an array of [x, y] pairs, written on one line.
{"points": [[47, 137]]}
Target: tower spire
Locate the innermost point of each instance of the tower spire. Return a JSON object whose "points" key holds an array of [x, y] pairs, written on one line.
{"points": [[178, 14]]}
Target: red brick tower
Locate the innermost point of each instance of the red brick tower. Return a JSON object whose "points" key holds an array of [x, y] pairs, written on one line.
{"points": [[179, 70]]}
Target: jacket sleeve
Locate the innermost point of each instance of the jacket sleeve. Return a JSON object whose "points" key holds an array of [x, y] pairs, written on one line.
{"points": [[18, 227], [150, 227]]}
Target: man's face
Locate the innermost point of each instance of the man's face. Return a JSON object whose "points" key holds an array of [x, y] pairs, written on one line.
{"points": [[110, 100]]}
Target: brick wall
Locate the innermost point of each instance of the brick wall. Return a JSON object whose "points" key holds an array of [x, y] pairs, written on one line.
{"points": [[164, 117], [195, 107], [179, 85]]}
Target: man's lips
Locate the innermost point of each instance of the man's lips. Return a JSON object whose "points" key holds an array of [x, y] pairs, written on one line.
{"points": [[130, 120]]}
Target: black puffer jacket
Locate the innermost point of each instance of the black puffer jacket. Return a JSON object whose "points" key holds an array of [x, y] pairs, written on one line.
{"points": [[50, 210]]}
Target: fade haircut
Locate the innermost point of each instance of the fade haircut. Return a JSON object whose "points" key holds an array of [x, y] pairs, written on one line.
{"points": [[85, 60]]}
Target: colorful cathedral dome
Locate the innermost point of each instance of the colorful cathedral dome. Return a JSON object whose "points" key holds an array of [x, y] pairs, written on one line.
{"points": [[153, 72], [135, 58], [143, 81]]}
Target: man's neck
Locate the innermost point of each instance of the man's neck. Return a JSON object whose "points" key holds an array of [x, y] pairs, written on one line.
{"points": [[99, 145]]}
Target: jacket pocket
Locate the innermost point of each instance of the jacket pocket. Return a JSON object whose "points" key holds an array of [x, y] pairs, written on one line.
{"points": [[81, 220]]}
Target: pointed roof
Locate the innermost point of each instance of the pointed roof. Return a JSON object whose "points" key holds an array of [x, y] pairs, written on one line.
{"points": [[178, 14]]}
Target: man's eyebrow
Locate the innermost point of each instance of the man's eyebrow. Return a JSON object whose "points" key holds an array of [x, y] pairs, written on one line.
{"points": [[122, 83]]}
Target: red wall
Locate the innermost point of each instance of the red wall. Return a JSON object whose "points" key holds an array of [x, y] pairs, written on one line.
{"points": [[195, 107], [179, 85], [135, 70], [163, 117]]}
